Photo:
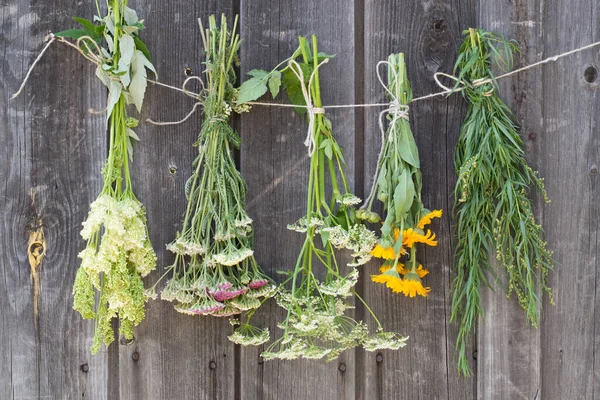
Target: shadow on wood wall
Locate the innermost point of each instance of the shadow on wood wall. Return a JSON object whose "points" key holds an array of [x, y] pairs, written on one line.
{"points": [[53, 150]]}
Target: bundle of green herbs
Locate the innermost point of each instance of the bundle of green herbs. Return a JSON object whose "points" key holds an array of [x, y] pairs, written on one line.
{"points": [[319, 291], [492, 204], [397, 185], [118, 253], [215, 272]]}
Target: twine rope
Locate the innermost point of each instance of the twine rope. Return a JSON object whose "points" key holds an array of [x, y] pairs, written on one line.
{"points": [[394, 108]]}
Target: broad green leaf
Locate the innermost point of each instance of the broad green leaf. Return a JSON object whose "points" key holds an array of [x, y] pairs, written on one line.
{"points": [[251, 90], [130, 16], [408, 148], [71, 33], [141, 46], [137, 87], [329, 151], [103, 76], [109, 42], [324, 144], [114, 93], [275, 83], [92, 30], [127, 49], [258, 73], [403, 195]]}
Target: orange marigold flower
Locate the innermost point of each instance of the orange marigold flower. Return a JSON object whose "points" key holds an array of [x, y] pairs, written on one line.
{"points": [[420, 271], [387, 267], [426, 220], [391, 278], [412, 288], [383, 252], [411, 237]]}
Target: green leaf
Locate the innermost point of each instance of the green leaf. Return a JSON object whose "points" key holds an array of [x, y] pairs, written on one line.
{"points": [[408, 148], [132, 134], [329, 151], [324, 238], [114, 93], [294, 91], [275, 83], [251, 90], [94, 31], [137, 87], [141, 46], [403, 195], [127, 49], [130, 16], [72, 33], [258, 73]]}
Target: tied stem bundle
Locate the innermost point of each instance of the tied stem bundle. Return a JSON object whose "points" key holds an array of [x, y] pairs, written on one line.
{"points": [[215, 272], [398, 185], [118, 252], [319, 290], [492, 204]]}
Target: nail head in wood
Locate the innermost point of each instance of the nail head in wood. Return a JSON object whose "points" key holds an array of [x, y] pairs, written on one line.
{"points": [[379, 358], [84, 368], [135, 356], [342, 367], [212, 365]]}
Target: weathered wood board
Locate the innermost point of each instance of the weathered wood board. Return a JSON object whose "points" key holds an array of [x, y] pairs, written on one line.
{"points": [[53, 150]]}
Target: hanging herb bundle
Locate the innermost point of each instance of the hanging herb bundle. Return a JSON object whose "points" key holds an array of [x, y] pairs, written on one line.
{"points": [[118, 253], [215, 272], [397, 184], [492, 205], [320, 290]]}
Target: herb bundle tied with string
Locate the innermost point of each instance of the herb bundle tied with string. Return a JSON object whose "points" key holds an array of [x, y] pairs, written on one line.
{"points": [[215, 272], [118, 253], [319, 290], [493, 208], [397, 184]]}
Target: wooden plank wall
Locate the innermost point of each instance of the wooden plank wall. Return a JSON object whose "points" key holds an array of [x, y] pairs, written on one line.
{"points": [[52, 151]]}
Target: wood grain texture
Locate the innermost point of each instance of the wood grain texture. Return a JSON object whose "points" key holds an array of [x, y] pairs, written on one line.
{"points": [[275, 164], [509, 353], [52, 151], [569, 145], [428, 34], [174, 356], [51, 154]]}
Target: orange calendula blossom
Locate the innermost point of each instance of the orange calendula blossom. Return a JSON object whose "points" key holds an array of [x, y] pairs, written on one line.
{"points": [[426, 220]]}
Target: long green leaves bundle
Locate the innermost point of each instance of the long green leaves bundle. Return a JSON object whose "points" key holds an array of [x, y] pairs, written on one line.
{"points": [[319, 290], [215, 272], [118, 252], [493, 209]]}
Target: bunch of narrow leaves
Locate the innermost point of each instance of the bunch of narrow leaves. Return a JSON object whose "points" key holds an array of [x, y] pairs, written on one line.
{"points": [[118, 252], [215, 272], [398, 186], [320, 290], [492, 204]]}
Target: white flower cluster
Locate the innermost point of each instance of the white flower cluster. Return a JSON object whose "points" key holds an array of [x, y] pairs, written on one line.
{"points": [[385, 340], [184, 247], [247, 335], [124, 241], [232, 256], [302, 225], [120, 253], [348, 199], [340, 287], [359, 239]]}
